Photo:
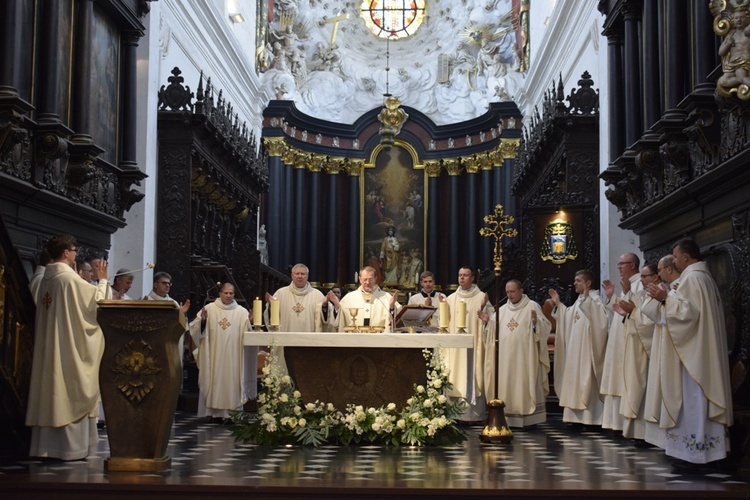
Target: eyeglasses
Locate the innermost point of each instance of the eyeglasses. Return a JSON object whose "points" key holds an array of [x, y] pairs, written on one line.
{"points": [[167, 283], [647, 275]]}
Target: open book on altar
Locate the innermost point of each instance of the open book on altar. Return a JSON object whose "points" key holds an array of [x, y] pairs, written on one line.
{"points": [[414, 315]]}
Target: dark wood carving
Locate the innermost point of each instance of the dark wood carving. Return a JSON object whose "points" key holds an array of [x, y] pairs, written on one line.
{"points": [[211, 175], [556, 172]]}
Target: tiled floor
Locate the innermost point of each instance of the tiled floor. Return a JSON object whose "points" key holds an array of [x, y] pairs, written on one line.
{"points": [[547, 460]]}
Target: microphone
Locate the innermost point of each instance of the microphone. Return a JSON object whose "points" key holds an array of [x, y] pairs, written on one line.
{"points": [[208, 297], [149, 265]]}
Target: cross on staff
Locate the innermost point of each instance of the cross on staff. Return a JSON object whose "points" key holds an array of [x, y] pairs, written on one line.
{"points": [[496, 221], [336, 20]]}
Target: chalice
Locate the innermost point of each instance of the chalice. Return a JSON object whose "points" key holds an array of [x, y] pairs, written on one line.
{"points": [[354, 311]]}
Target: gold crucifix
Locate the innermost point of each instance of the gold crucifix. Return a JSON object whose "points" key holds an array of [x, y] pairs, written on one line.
{"points": [[496, 221], [336, 20]]}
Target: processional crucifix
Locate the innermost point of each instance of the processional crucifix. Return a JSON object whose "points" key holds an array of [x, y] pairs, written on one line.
{"points": [[496, 429]]}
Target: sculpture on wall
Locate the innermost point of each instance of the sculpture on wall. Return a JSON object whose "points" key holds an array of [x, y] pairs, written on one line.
{"points": [[732, 23]]}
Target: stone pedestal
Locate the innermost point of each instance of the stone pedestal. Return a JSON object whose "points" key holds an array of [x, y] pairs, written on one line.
{"points": [[140, 377]]}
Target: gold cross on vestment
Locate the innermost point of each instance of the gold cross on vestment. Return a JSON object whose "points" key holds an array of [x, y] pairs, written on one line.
{"points": [[512, 324], [224, 323], [576, 317], [298, 308], [47, 300], [495, 222]]}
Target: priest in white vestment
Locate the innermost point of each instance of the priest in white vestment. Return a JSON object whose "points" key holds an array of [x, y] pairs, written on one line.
{"points": [[428, 296], [374, 306], [580, 342], [639, 332], [36, 279], [467, 369], [523, 360], [700, 399], [612, 383], [160, 291], [68, 349], [664, 365], [301, 308], [226, 369]]}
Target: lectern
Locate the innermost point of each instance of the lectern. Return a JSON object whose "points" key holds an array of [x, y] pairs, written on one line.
{"points": [[139, 379]]}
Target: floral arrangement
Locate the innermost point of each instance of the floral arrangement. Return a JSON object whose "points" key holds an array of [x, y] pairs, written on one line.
{"points": [[427, 419]]}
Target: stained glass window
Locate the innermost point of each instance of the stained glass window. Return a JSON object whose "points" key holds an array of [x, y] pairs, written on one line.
{"points": [[393, 18]]}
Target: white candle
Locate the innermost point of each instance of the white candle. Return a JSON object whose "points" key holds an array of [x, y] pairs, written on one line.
{"points": [[416, 278], [356, 277], [461, 315], [444, 313], [274, 312], [257, 312]]}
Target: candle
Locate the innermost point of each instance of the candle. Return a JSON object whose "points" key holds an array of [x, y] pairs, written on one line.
{"points": [[257, 312], [416, 279], [461, 315], [356, 277], [274, 312], [444, 313]]}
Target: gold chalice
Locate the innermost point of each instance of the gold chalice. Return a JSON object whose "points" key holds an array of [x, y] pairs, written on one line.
{"points": [[354, 311]]}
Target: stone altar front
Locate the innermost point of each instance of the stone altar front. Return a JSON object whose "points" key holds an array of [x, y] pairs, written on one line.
{"points": [[369, 369]]}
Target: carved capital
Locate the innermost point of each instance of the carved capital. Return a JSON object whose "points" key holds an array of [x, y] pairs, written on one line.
{"points": [[452, 166], [432, 168], [508, 148], [274, 145], [355, 167]]}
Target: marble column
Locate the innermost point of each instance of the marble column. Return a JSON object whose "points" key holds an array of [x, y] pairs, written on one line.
{"points": [[331, 254], [274, 221], [434, 237], [313, 226]]}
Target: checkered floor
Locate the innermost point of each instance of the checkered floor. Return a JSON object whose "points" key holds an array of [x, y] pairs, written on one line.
{"points": [[549, 457]]}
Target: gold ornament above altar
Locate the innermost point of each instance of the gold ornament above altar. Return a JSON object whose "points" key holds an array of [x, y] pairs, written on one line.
{"points": [[559, 245]]}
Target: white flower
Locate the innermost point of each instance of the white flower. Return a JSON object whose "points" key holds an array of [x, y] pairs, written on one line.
{"points": [[297, 394], [302, 422], [437, 383], [297, 410], [376, 427], [359, 409], [310, 407], [371, 411], [401, 424], [330, 407], [268, 417], [415, 416], [420, 389], [391, 406], [427, 403], [286, 379], [284, 398], [409, 401]]}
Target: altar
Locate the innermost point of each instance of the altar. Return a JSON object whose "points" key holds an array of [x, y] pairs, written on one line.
{"points": [[369, 369]]}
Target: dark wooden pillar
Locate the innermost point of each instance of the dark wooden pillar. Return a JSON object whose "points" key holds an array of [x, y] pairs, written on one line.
{"points": [[704, 53], [82, 85], [632, 73], [652, 104], [129, 100], [616, 97], [677, 61], [16, 45]]}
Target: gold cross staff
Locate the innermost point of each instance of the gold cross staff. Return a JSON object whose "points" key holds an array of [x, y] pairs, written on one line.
{"points": [[496, 221], [336, 20]]}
